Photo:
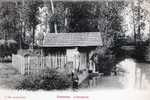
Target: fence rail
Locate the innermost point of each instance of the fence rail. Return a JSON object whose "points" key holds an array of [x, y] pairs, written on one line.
{"points": [[31, 65]]}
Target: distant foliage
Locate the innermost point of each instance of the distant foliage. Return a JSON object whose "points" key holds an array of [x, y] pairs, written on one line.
{"points": [[9, 20], [140, 18], [8, 48], [31, 16], [61, 13], [110, 25], [141, 52], [110, 22], [22, 18]]}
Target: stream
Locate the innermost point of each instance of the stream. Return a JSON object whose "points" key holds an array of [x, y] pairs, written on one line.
{"points": [[130, 75]]}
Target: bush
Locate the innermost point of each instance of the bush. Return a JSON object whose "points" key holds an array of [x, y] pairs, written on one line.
{"points": [[48, 79], [140, 52], [105, 60]]}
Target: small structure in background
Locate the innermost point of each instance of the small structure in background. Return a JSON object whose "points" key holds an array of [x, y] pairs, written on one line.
{"points": [[77, 47], [67, 51]]}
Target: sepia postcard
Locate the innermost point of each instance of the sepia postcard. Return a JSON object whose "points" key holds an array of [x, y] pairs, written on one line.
{"points": [[74, 49]]}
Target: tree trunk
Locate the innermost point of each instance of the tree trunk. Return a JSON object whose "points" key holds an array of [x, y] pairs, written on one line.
{"points": [[55, 25], [33, 41]]}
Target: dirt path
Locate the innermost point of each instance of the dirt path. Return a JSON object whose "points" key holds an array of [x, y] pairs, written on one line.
{"points": [[9, 76]]}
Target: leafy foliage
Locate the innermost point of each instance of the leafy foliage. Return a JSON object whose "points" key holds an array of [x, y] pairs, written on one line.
{"points": [[110, 22], [104, 60], [110, 25], [7, 48], [140, 19], [58, 17], [48, 79], [140, 52], [9, 24], [31, 12], [83, 16]]}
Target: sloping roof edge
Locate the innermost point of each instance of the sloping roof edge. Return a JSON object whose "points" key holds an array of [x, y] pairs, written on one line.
{"points": [[83, 39]]}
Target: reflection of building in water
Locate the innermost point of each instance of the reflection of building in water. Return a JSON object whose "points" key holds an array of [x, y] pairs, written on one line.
{"points": [[127, 78], [132, 76], [141, 80]]}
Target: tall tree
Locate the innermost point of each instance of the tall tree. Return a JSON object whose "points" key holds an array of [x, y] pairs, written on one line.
{"points": [[140, 18], [58, 17], [31, 12], [83, 17], [110, 22]]}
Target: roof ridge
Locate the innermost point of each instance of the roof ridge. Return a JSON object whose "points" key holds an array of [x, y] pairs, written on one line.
{"points": [[71, 39], [73, 32]]}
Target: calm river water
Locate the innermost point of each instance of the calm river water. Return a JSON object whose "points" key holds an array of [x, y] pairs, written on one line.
{"points": [[131, 75]]}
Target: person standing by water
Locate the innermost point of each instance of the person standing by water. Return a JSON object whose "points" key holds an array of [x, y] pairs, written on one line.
{"points": [[75, 80]]}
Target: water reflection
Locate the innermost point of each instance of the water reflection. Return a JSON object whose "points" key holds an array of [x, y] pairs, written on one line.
{"points": [[129, 76], [127, 69], [133, 77]]}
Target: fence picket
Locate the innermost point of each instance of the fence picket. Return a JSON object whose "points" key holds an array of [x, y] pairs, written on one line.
{"points": [[28, 64]]}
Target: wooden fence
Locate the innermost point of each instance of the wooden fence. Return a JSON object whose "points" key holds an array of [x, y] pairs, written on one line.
{"points": [[34, 64]]}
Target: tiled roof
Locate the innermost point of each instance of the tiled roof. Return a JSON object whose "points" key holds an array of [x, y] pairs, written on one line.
{"points": [[72, 39]]}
